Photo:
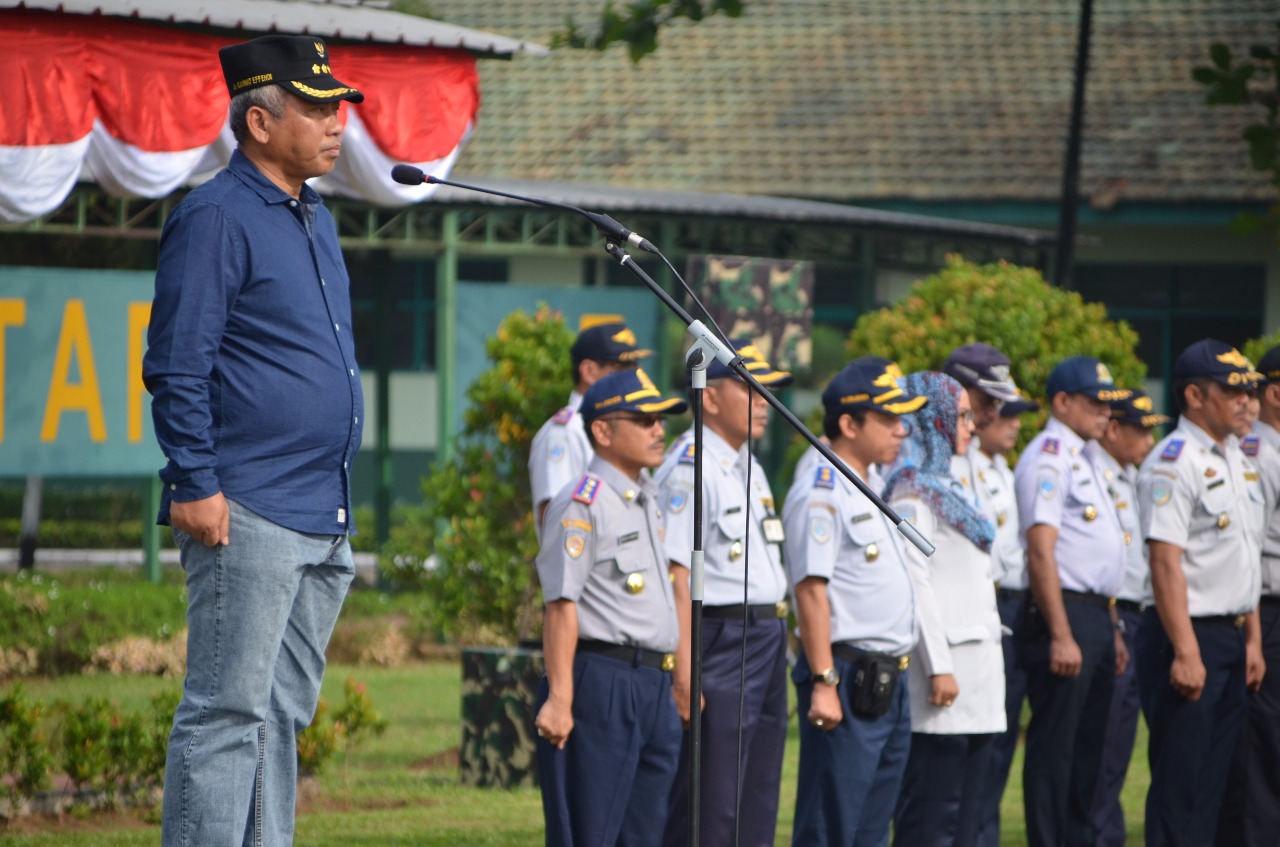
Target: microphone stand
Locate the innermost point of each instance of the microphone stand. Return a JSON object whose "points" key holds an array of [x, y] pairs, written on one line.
{"points": [[707, 346]]}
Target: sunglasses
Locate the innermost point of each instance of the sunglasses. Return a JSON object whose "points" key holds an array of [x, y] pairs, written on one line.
{"points": [[642, 421]]}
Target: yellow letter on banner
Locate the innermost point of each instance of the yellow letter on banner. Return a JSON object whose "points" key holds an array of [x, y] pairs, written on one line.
{"points": [[139, 318], [66, 397], [12, 313]]}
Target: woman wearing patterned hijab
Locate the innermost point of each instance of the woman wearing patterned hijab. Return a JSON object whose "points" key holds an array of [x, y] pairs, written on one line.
{"points": [[957, 668]]}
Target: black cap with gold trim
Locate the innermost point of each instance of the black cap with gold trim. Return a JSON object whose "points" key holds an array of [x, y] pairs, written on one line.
{"points": [[1218, 361], [755, 363], [627, 391], [870, 383], [1269, 365], [605, 338], [1137, 409], [297, 63]]}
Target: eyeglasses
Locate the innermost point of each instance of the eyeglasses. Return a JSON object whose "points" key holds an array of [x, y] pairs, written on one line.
{"points": [[642, 421], [966, 416]]}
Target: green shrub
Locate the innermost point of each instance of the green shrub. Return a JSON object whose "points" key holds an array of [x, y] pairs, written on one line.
{"points": [[326, 736], [1254, 348], [24, 754], [471, 543]]}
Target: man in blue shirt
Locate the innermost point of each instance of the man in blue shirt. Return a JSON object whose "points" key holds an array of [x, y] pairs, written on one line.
{"points": [[257, 407]]}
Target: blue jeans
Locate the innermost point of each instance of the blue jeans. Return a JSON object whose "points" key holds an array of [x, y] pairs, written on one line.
{"points": [[259, 615]]}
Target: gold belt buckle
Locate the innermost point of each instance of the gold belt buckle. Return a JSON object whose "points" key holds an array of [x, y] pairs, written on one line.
{"points": [[780, 608], [1239, 621], [904, 662], [1111, 602], [669, 661]]}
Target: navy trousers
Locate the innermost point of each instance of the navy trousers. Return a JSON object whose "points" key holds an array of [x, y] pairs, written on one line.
{"points": [[1068, 719], [1002, 747], [1191, 743], [1251, 806], [764, 734], [1117, 748], [849, 777], [942, 790], [610, 783]]}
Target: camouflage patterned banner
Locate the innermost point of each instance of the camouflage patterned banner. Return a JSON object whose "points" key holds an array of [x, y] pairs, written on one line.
{"points": [[767, 300], [499, 686]]}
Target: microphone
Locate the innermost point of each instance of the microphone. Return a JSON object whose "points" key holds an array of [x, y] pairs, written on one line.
{"points": [[611, 229]]}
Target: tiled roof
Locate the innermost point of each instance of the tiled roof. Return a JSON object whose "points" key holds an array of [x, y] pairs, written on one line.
{"points": [[865, 100]]}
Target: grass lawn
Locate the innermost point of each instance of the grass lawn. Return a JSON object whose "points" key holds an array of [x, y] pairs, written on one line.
{"points": [[401, 788]]}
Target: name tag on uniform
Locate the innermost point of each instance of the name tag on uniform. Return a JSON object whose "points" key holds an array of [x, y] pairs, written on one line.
{"points": [[773, 530], [628, 538]]}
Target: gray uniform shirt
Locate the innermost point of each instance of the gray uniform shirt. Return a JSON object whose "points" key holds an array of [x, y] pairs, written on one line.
{"points": [[1263, 447], [834, 532], [726, 510], [602, 549], [1122, 486], [559, 453], [992, 480], [1198, 496]]}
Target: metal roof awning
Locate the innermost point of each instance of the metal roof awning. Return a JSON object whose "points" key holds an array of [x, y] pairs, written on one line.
{"points": [[755, 207], [353, 23]]}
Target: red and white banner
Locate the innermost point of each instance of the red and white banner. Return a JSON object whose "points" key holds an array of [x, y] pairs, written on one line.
{"points": [[141, 110]]}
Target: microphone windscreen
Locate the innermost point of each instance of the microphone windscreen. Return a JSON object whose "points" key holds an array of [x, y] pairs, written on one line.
{"points": [[408, 175]]}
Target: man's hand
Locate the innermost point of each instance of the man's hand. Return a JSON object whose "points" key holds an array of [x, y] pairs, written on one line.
{"points": [[1186, 675], [680, 691], [824, 710], [944, 691], [555, 721], [1122, 654], [1254, 665], [1064, 657], [207, 521]]}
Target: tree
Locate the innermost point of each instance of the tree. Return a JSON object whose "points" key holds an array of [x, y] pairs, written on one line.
{"points": [[1253, 82], [471, 544], [638, 25]]}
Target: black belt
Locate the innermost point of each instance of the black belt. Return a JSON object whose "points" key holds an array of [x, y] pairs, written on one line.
{"points": [[849, 653], [631, 655], [1268, 599], [1010, 593], [753, 613], [1128, 605], [1236, 621], [1091, 599]]}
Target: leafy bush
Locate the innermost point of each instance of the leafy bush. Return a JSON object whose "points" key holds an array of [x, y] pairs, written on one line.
{"points": [[471, 543], [326, 736], [1254, 348], [24, 756], [1010, 307]]}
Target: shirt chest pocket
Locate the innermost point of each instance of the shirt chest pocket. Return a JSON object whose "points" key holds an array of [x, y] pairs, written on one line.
{"points": [[868, 535], [625, 562], [732, 522], [1214, 507]]}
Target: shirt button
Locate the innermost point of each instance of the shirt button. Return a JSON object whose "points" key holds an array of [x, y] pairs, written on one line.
{"points": [[344, 466], [352, 371], [173, 486], [293, 203], [357, 419], [336, 328]]}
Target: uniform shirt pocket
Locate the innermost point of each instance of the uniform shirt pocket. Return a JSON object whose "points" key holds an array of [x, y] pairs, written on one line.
{"points": [[968, 634], [868, 533], [732, 522], [1214, 507]]}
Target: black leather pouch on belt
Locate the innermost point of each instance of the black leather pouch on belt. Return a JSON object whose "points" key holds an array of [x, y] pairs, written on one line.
{"points": [[875, 679]]}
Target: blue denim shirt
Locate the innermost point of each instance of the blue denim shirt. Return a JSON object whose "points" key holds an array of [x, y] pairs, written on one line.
{"points": [[251, 363]]}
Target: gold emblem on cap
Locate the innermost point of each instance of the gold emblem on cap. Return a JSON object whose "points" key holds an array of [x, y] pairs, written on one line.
{"points": [[669, 662], [319, 48], [635, 583], [1090, 512], [873, 552], [1224, 521], [735, 551]]}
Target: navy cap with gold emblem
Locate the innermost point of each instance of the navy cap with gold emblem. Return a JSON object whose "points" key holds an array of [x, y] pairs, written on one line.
{"points": [[755, 363], [869, 383], [627, 391], [1137, 409], [297, 63], [1084, 375], [1269, 365], [606, 339], [1218, 361]]}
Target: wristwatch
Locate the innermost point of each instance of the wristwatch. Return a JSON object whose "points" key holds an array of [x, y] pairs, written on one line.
{"points": [[830, 676]]}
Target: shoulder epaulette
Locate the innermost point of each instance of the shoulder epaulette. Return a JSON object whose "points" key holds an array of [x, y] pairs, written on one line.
{"points": [[563, 416], [1050, 446], [688, 454], [824, 477], [1172, 450], [588, 488], [1249, 445]]}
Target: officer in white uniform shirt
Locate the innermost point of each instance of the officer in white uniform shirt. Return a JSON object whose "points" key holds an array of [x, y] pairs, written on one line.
{"points": [[1199, 646], [560, 451], [1075, 566], [745, 589], [1251, 807], [1125, 443], [609, 734], [856, 612]]}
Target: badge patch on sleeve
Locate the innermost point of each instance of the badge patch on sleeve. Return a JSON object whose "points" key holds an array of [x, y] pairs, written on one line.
{"points": [[688, 454], [1249, 446], [824, 477], [557, 451], [678, 498], [1160, 492], [1172, 450], [1047, 485], [820, 528], [574, 544], [1050, 446], [587, 490], [562, 417]]}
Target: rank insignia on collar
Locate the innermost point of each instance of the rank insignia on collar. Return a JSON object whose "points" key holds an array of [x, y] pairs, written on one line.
{"points": [[1050, 446], [688, 454], [1249, 446], [824, 478], [562, 417], [1172, 450], [587, 490]]}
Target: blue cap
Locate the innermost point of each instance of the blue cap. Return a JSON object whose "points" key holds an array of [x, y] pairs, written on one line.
{"points": [[869, 383], [1084, 375], [627, 391], [611, 341], [983, 367], [1218, 361], [755, 363], [1269, 365], [1137, 409], [1013, 408]]}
